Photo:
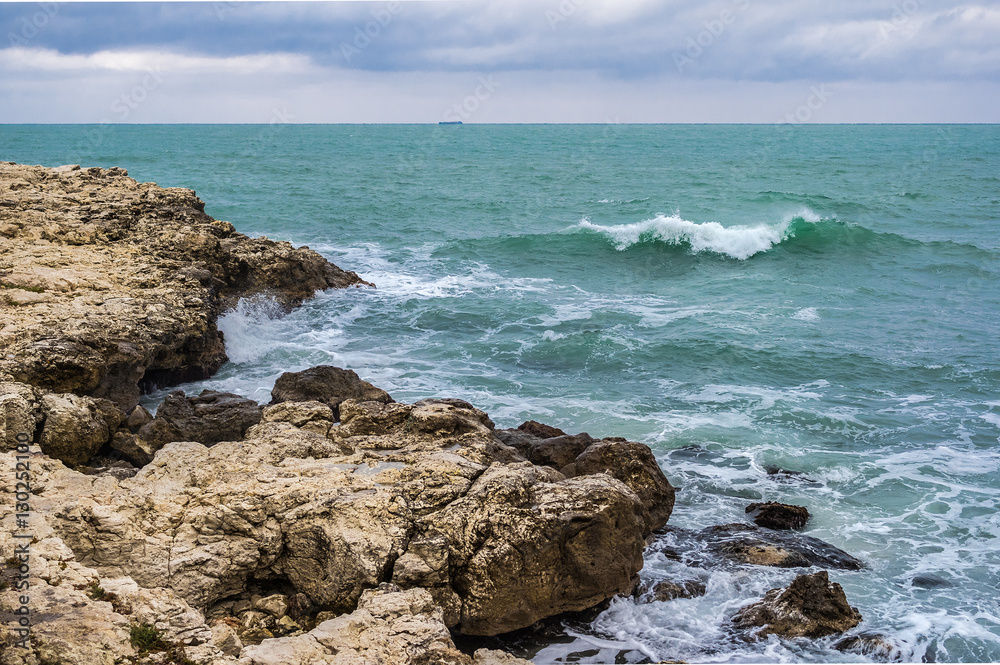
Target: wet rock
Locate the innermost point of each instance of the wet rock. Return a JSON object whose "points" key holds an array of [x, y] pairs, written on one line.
{"points": [[774, 515], [328, 385], [871, 645], [785, 476], [208, 418], [743, 543], [541, 430], [668, 590], [811, 606], [76, 427], [930, 581]]}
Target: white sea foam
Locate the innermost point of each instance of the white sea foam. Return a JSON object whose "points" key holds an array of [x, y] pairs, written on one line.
{"points": [[248, 329], [739, 242], [806, 314]]}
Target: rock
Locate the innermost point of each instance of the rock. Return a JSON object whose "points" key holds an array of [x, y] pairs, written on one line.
{"points": [[389, 626], [326, 384], [76, 427], [540, 430], [560, 451], [931, 581], [276, 605], [871, 645], [132, 449], [633, 464], [538, 547], [225, 639], [138, 417], [811, 606], [785, 476], [209, 418], [746, 544], [109, 284], [310, 416], [667, 590], [774, 515], [423, 491]]}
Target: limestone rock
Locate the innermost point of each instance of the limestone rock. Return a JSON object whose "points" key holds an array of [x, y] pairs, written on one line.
{"points": [[310, 416], [774, 515], [76, 427], [389, 626], [326, 384], [811, 606], [668, 590], [108, 283], [633, 464], [871, 645]]}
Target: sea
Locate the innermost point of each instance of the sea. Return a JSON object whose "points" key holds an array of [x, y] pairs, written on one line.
{"points": [[818, 299]]}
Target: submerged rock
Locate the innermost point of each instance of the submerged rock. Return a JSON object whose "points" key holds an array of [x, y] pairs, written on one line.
{"points": [[811, 606], [743, 543], [774, 515]]}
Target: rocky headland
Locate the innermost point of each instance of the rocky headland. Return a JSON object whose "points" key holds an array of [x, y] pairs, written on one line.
{"points": [[333, 525]]}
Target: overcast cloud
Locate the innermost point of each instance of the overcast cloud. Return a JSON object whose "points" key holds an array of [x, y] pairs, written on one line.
{"points": [[511, 61]]}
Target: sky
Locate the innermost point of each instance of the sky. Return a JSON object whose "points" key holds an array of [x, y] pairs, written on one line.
{"points": [[602, 61]]}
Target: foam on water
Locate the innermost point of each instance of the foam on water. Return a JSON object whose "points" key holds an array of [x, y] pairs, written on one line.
{"points": [[739, 242]]}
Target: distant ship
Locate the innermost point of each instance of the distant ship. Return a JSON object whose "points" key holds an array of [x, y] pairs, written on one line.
{"points": [[450, 122]]}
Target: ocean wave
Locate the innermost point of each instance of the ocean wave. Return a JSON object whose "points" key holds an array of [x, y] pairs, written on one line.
{"points": [[738, 242]]}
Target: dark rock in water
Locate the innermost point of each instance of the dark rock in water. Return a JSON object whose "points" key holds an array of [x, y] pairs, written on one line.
{"points": [[633, 464], [931, 581], [748, 544], [328, 385], [871, 645], [773, 515], [541, 430], [667, 590], [811, 606], [786, 476], [764, 547], [209, 418]]}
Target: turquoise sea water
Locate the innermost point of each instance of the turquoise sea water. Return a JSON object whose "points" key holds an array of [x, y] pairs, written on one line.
{"points": [[819, 298]]}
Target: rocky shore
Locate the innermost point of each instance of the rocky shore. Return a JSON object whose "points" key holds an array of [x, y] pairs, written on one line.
{"points": [[332, 525]]}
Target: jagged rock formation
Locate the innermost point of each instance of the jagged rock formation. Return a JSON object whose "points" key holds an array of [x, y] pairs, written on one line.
{"points": [[811, 606], [107, 284]]}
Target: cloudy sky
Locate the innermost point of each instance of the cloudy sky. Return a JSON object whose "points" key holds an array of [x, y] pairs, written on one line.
{"points": [[501, 61]]}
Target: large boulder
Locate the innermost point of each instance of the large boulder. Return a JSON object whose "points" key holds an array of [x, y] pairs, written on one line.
{"points": [[811, 606], [328, 385], [76, 427]]}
